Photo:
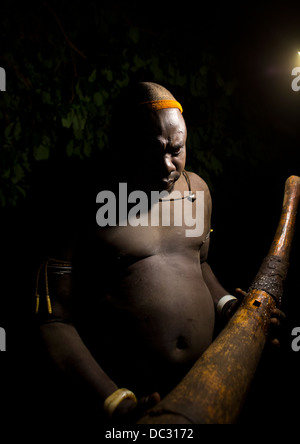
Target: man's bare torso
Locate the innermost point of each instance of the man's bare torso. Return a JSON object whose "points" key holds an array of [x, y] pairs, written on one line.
{"points": [[153, 313]]}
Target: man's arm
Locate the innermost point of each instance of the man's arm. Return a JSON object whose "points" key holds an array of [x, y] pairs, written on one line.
{"points": [[229, 304], [216, 289], [69, 353], [64, 345], [214, 286]]}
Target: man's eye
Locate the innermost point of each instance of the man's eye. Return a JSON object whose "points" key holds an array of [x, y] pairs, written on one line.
{"points": [[176, 150]]}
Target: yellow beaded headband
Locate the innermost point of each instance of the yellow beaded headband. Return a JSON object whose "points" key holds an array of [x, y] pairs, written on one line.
{"points": [[163, 104]]}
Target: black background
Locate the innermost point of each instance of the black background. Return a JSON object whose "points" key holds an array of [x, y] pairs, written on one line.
{"points": [[259, 45]]}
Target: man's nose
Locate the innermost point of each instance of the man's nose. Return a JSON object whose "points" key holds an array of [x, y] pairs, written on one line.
{"points": [[168, 163]]}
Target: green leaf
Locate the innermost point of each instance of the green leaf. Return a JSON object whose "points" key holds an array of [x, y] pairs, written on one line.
{"points": [[17, 130], [155, 69], [138, 63], [229, 88], [108, 74], [21, 190], [68, 120], [134, 34], [46, 98], [171, 70], [220, 81], [69, 148], [93, 75], [6, 174], [98, 99], [203, 70], [41, 152], [8, 129], [87, 149], [79, 92]]}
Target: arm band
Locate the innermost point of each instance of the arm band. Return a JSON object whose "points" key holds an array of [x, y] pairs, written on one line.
{"points": [[113, 400], [223, 301]]}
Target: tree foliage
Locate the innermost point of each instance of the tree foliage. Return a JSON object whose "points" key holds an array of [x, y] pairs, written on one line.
{"points": [[66, 63]]}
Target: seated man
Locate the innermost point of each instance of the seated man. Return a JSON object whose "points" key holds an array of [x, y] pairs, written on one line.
{"points": [[135, 306]]}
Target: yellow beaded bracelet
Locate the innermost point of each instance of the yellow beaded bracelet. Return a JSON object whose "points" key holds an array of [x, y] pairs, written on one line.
{"points": [[113, 400]]}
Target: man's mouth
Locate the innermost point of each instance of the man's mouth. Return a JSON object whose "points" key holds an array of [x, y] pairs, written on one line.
{"points": [[168, 181], [165, 183], [168, 184]]}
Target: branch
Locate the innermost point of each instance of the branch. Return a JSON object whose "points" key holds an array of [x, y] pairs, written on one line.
{"points": [[13, 65], [69, 42]]}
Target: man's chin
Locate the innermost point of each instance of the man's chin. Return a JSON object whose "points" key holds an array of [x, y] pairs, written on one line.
{"points": [[164, 186], [170, 187]]}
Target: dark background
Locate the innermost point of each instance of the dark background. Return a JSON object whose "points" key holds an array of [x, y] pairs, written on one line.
{"points": [[255, 148]]}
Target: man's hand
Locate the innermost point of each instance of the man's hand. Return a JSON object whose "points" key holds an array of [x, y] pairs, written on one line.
{"points": [[130, 412], [277, 316], [239, 294]]}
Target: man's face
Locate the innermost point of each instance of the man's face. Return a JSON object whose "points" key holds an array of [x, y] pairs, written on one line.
{"points": [[161, 150]]}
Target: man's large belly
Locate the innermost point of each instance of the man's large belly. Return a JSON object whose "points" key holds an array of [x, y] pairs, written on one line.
{"points": [[170, 305], [159, 314]]}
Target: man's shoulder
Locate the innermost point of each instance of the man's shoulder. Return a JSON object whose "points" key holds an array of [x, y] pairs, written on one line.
{"points": [[197, 183]]}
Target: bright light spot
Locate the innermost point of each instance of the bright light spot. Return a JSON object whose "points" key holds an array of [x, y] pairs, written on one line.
{"points": [[299, 52]]}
